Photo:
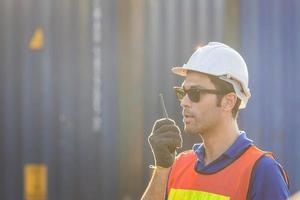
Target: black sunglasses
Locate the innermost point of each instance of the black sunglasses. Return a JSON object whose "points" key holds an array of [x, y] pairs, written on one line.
{"points": [[193, 93]]}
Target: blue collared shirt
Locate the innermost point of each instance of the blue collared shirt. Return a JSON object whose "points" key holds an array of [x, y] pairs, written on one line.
{"points": [[268, 181]]}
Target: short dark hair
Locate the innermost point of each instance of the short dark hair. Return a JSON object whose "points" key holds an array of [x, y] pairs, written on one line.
{"points": [[225, 87]]}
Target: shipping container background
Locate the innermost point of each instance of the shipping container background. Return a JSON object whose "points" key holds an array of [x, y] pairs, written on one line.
{"points": [[85, 102]]}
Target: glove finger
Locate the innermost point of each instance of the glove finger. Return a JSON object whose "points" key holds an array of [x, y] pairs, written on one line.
{"points": [[177, 140], [170, 143], [167, 128], [173, 139], [167, 134], [160, 122]]}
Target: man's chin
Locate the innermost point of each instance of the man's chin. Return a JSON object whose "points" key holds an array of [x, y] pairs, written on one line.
{"points": [[189, 130]]}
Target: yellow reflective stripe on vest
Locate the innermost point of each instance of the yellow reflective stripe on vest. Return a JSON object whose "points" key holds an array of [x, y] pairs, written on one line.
{"points": [[180, 194]]}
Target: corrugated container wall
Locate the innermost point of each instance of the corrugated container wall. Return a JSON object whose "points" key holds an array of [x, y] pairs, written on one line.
{"points": [[54, 62], [271, 44], [80, 83]]}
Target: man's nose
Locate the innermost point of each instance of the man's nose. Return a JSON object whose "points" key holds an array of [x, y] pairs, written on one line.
{"points": [[185, 102]]}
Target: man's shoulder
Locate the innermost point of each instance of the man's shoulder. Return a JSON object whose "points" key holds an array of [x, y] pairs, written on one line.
{"points": [[268, 166], [268, 178]]}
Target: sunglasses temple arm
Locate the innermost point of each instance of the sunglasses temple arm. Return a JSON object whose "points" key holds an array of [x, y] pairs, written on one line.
{"points": [[162, 102]]}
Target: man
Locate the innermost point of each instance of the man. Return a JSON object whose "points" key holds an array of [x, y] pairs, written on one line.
{"points": [[226, 165]]}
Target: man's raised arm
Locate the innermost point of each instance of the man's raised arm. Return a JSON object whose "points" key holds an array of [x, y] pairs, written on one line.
{"points": [[164, 139], [157, 185]]}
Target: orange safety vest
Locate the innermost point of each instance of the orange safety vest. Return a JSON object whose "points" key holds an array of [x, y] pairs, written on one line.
{"points": [[231, 182]]}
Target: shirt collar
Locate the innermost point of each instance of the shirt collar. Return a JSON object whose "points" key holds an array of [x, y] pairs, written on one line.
{"points": [[240, 144]]}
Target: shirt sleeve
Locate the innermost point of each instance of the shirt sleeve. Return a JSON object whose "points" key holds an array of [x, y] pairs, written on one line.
{"points": [[268, 182]]}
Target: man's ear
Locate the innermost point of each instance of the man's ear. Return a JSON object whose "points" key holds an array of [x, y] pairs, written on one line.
{"points": [[228, 101]]}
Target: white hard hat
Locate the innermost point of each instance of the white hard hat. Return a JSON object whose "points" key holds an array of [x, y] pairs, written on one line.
{"points": [[220, 60]]}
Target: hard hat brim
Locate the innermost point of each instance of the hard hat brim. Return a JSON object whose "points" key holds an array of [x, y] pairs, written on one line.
{"points": [[179, 71]]}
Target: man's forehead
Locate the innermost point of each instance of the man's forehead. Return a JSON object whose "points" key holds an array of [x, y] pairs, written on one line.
{"points": [[188, 85], [196, 75], [196, 79]]}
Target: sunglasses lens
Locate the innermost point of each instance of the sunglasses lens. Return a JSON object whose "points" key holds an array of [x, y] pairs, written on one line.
{"points": [[180, 93], [194, 95]]}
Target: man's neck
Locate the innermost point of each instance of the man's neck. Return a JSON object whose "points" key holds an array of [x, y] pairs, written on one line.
{"points": [[219, 140]]}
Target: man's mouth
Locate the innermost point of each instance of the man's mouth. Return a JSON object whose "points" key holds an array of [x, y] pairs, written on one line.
{"points": [[187, 117]]}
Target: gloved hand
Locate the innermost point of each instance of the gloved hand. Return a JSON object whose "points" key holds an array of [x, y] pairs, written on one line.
{"points": [[164, 139]]}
